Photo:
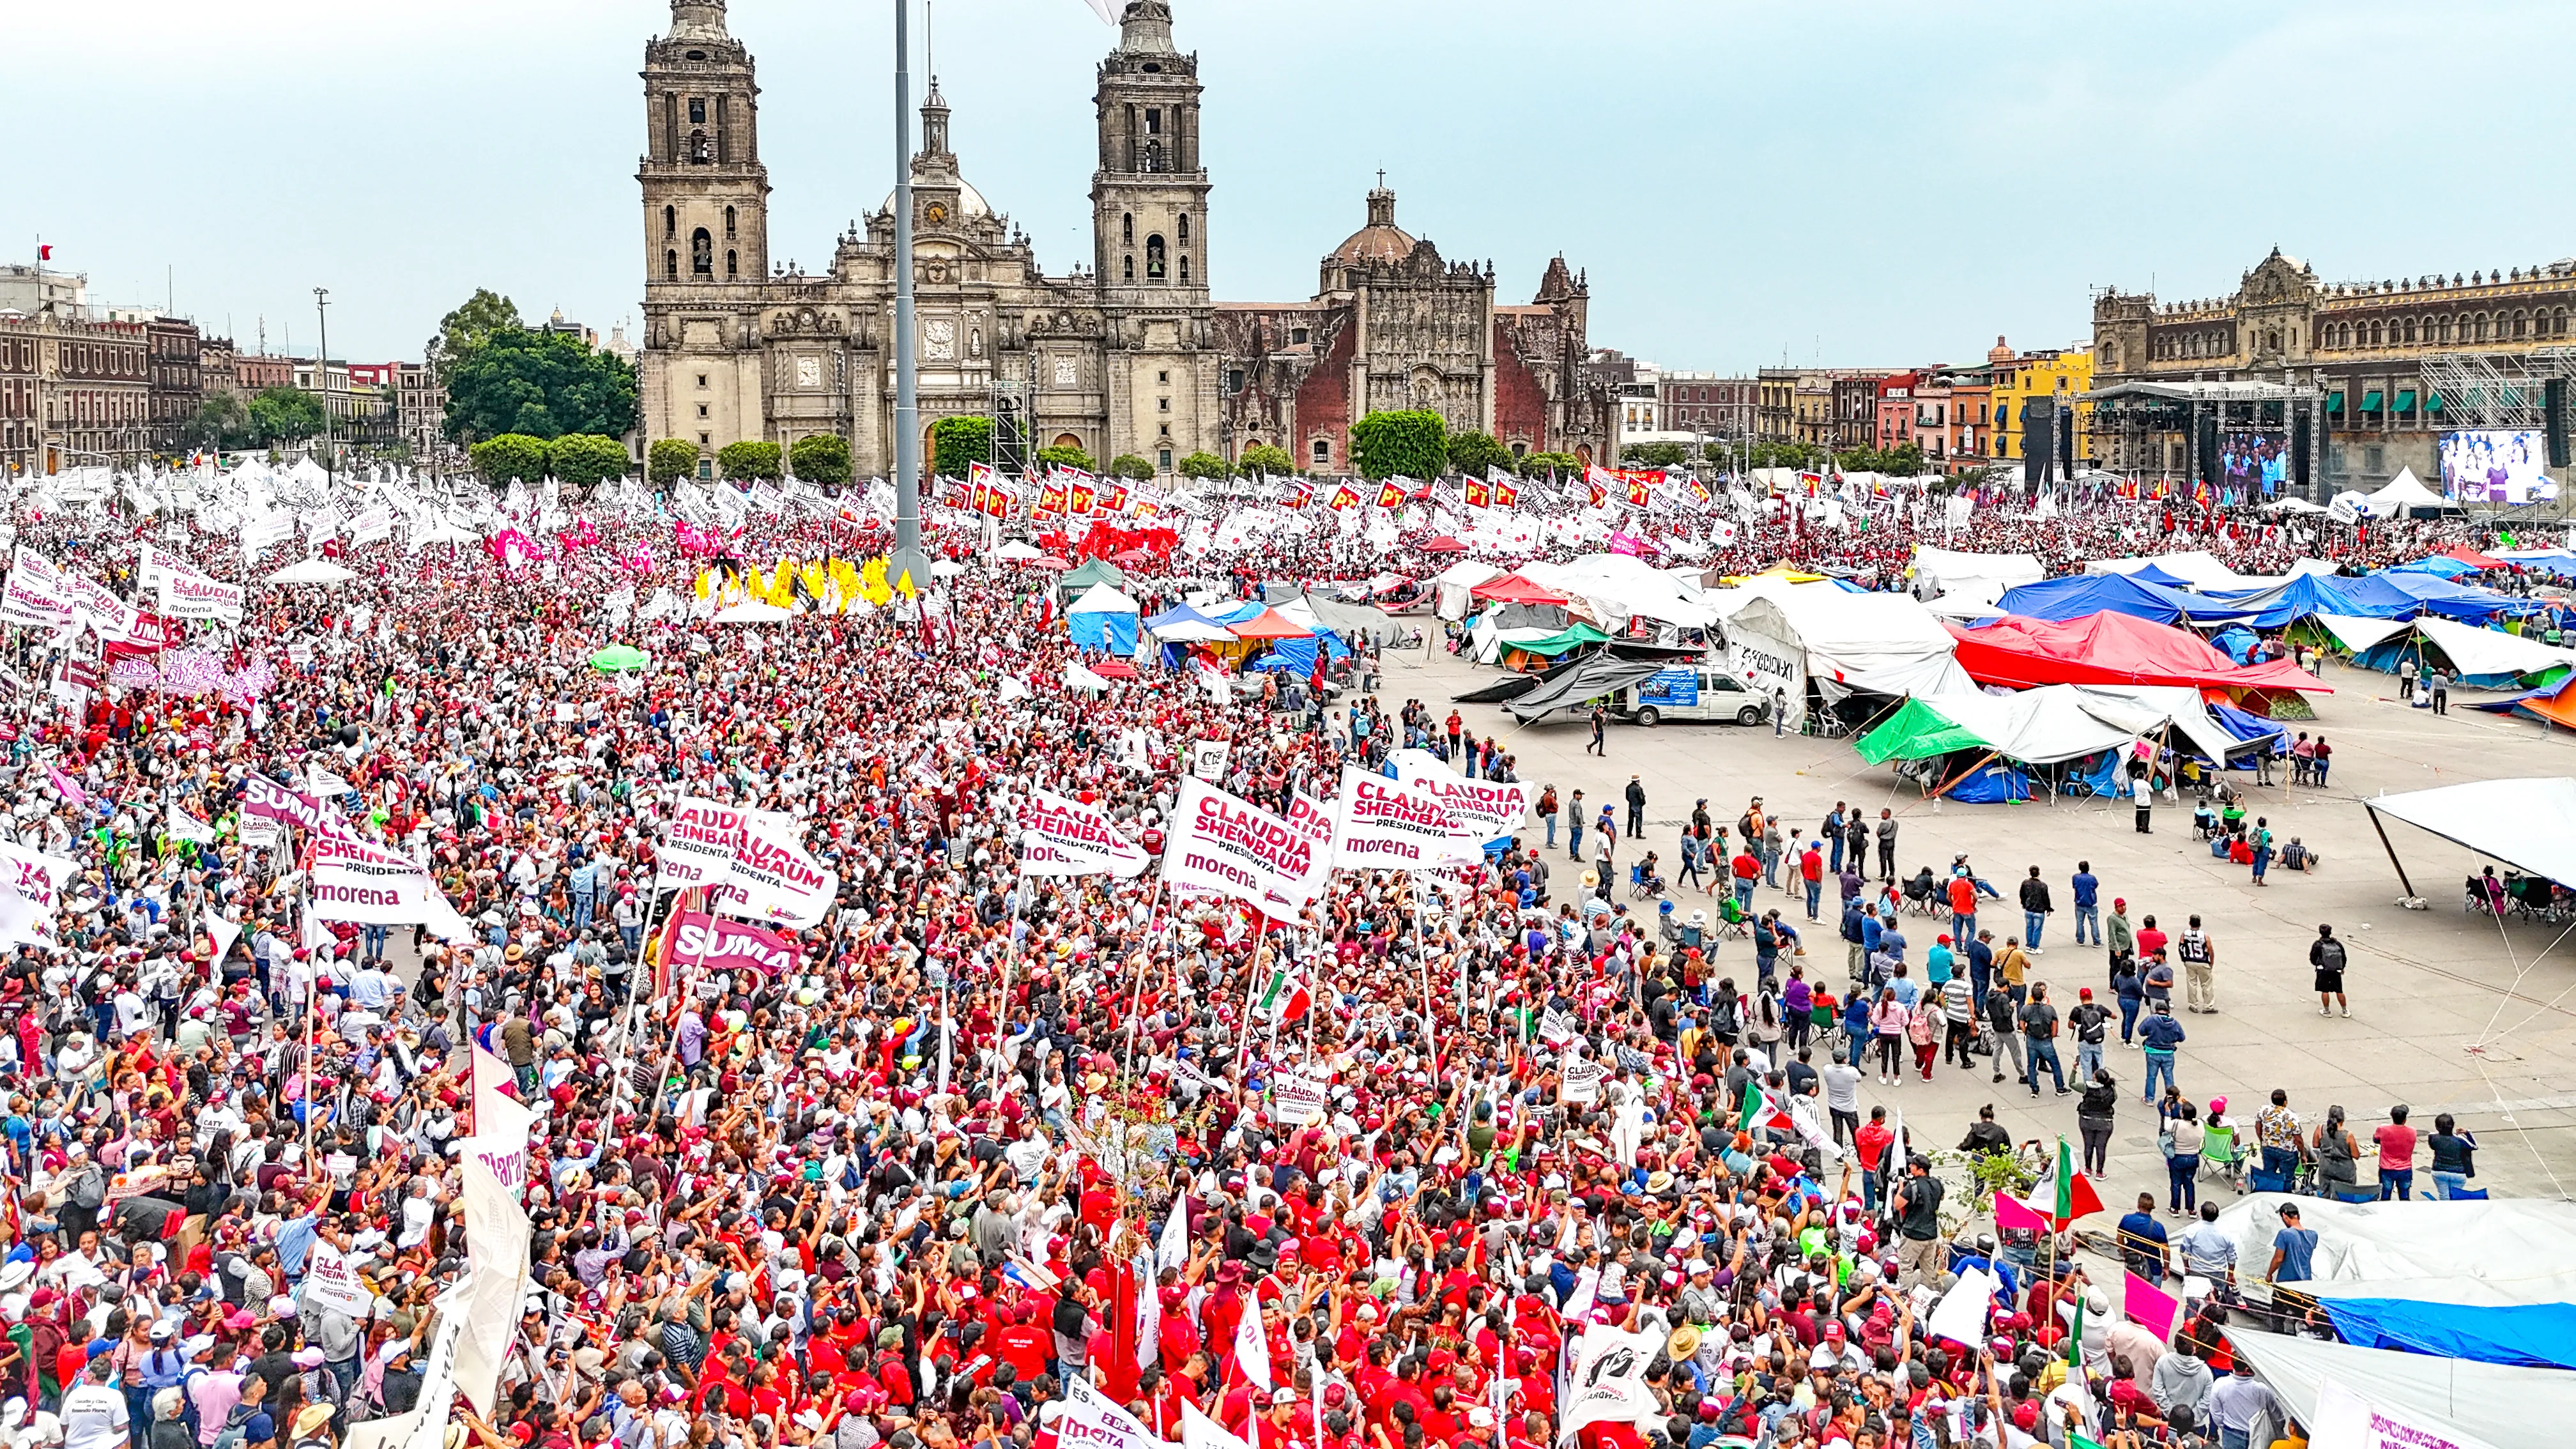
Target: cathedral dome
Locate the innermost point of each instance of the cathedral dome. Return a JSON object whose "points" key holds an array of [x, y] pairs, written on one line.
{"points": [[970, 202], [1379, 241]]}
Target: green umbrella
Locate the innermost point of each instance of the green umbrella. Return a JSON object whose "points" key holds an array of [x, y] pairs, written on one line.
{"points": [[619, 657]]}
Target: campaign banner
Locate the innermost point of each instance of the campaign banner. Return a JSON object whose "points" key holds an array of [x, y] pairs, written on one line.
{"points": [[368, 884], [1092, 1420], [1297, 1099], [28, 599], [723, 945], [266, 799], [1314, 820], [1385, 824], [1608, 1384], [1581, 1079], [773, 878], [1223, 843], [149, 633], [261, 534], [1490, 809], [1208, 757], [332, 1281], [373, 525], [29, 883], [698, 844], [1066, 837], [196, 596]]}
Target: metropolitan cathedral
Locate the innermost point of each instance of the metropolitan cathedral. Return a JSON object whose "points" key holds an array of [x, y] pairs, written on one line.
{"points": [[1124, 355]]}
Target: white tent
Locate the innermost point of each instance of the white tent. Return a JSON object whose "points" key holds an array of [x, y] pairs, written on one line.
{"points": [[312, 571], [1621, 586], [2405, 492], [1786, 634], [1941, 570], [2356, 633], [2506, 1408], [2529, 824], [2145, 709], [2036, 726], [2473, 650], [1102, 599], [1452, 583], [1016, 552]]}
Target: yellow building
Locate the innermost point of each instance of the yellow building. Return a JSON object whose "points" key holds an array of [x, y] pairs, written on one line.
{"points": [[2049, 372]]}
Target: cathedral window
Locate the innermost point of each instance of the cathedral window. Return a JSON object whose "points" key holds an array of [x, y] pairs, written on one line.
{"points": [[698, 148], [733, 267], [670, 221], [697, 110], [1185, 228], [728, 223], [1323, 453], [1297, 336], [1127, 229], [1153, 156], [1154, 258], [1185, 270], [1128, 272], [671, 264], [702, 253], [1165, 457], [1153, 121]]}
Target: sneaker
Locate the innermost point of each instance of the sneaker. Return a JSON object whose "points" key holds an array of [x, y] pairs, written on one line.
{"points": [[1999, 1076], [2324, 1011], [2062, 1091], [2347, 1011]]}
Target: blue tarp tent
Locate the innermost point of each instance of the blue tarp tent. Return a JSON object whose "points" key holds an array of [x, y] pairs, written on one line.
{"points": [[2236, 642], [2440, 566], [1297, 656], [1103, 618], [2246, 726], [1991, 783], [2075, 596], [2153, 575], [2378, 596], [1180, 614], [2532, 1335]]}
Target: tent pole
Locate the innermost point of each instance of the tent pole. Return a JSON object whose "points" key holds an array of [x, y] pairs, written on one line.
{"points": [[1963, 774], [2392, 850]]}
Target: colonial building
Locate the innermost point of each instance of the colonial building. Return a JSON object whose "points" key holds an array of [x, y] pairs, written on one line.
{"points": [[2384, 358], [1707, 404], [73, 392], [178, 380], [1835, 408], [1394, 326], [1116, 358]]}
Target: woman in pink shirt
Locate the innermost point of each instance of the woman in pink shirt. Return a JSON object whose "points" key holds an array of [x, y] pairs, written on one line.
{"points": [[1887, 1023], [2396, 1155]]}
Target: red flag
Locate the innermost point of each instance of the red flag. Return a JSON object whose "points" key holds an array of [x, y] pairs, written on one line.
{"points": [[1637, 492], [1081, 496], [1051, 498], [1505, 495], [1343, 497], [1478, 496], [44, 253], [1388, 495], [1304, 495], [1119, 1368]]}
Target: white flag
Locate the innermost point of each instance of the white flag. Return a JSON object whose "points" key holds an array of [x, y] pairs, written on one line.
{"points": [[1106, 10], [1173, 1249], [1251, 1345]]}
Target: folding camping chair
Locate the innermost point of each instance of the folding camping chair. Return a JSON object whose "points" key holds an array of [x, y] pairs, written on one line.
{"points": [[1733, 920]]}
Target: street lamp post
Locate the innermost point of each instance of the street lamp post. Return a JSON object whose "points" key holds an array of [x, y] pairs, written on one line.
{"points": [[908, 558], [322, 377]]}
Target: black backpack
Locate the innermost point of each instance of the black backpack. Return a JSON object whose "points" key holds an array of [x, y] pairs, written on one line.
{"points": [[2330, 955]]}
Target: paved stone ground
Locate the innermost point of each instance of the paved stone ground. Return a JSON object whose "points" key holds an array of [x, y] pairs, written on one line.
{"points": [[2450, 1011]]}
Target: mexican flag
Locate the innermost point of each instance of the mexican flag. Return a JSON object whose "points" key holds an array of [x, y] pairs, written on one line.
{"points": [[2075, 1195], [1286, 999], [1758, 1110]]}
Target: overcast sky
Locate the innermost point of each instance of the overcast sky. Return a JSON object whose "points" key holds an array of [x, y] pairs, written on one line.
{"points": [[1827, 182]]}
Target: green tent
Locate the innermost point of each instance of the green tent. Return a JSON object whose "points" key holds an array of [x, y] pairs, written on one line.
{"points": [[617, 658], [1916, 732], [1572, 638], [1094, 571]]}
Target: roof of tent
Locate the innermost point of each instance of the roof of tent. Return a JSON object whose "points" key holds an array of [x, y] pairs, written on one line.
{"points": [[2077, 595], [1885, 643], [1515, 589], [2468, 555], [2036, 726], [1090, 572], [1466, 573], [1269, 625], [1182, 624], [2111, 649], [1625, 585], [2512, 821], [2144, 709], [1951, 567], [1573, 636], [2503, 1407], [2357, 633], [2491, 651], [2197, 568], [1102, 599], [2406, 491]]}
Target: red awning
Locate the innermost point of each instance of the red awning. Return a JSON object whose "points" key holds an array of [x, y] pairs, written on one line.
{"points": [[1269, 625], [2473, 558], [2112, 648], [1113, 669], [1443, 544], [1513, 589]]}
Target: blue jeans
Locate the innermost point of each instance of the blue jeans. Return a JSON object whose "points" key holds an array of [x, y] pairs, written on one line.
{"points": [[1770, 866], [2158, 1064], [2129, 1019], [2031, 922], [2397, 1182], [1551, 830], [583, 903], [1963, 929], [2449, 1185], [2281, 1162], [2182, 1174], [2088, 916], [2044, 1053], [2088, 1060], [633, 936], [1574, 839], [1835, 867], [376, 937], [1815, 897]]}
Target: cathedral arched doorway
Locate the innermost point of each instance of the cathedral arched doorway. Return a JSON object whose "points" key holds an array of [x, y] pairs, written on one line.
{"points": [[1066, 440], [1583, 454]]}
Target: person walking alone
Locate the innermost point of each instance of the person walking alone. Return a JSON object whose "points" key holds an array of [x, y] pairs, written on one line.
{"points": [[2142, 792], [2035, 909], [2326, 955], [1600, 721], [2199, 968], [2088, 895], [1636, 808]]}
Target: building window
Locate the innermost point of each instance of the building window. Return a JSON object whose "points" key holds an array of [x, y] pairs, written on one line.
{"points": [[728, 223], [1162, 378], [1127, 270], [1163, 459], [697, 110], [1234, 379], [1323, 453], [1297, 336], [1154, 258], [698, 150], [702, 410], [1185, 269], [1127, 229], [1153, 156], [731, 265], [702, 253], [1162, 404], [1185, 229], [671, 265], [702, 379], [670, 221], [1153, 120]]}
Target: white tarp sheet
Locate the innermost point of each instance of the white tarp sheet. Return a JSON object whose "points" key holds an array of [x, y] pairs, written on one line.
{"points": [[2036, 726], [2473, 650], [1102, 599], [1621, 587], [2504, 1239], [2530, 824], [1450, 597], [2358, 634], [2508, 1408], [1886, 643], [2145, 709], [1949, 571]]}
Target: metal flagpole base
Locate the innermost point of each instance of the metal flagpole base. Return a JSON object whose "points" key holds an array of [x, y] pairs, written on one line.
{"points": [[912, 561]]}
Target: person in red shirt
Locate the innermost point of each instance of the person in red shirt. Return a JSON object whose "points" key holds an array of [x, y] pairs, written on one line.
{"points": [[1870, 1145], [1023, 1345]]}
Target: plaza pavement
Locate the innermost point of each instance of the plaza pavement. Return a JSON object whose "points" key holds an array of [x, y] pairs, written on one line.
{"points": [[2450, 1012]]}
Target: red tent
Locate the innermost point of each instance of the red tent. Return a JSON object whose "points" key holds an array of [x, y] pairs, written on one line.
{"points": [[2473, 558], [2111, 648], [1513, 589], [1268, 625], [1443, 544]]}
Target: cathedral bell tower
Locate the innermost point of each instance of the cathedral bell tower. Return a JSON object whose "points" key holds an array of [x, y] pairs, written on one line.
{"points": [[706, 232], [1150, 245]]}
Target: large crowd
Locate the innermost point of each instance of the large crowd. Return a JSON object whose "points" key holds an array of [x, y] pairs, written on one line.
{"points": [[976, 1156]]}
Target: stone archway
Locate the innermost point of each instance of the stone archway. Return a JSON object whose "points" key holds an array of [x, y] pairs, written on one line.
{"points": [[1583, 454], [1065, 440]]}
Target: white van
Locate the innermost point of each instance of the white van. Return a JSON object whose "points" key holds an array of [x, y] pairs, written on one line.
{"points": [[1691, 693]]}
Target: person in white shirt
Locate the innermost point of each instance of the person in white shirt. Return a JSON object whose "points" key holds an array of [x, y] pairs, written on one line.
{"points": [[93, 1414]]}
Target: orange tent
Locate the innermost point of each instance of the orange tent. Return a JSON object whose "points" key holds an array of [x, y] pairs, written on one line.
{"points": [[1268, 625]]}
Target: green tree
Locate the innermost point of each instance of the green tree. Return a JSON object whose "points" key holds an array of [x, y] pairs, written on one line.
{"points": [[1787, 455], [1539, 465], [510, 456], [820, 458], [1268, 461], [539, 383], [1065, 455], [671, 460], [1654, 455], [1905, 460], [1411, 444], [1473, 453], [579, 460], [1206, 465], [222, 421], [473, 322], [956, 443], [749, 459], [284, 415], [1130, 466]]}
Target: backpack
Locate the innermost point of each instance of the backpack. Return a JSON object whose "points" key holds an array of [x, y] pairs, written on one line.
{"points": [[2330, 956], [89, 1189]]}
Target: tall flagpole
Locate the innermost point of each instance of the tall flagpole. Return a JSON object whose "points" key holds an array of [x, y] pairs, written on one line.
{"points": [[908, 557]]}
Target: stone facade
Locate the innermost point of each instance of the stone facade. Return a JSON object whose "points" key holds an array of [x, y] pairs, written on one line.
{"points": [[89, 382], [1119, 358], [1394, 326], [2356, 341]]}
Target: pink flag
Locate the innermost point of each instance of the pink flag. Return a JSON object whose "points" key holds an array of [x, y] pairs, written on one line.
{"points": [[2011, 1214], [2149, 1306], [65, 787]]}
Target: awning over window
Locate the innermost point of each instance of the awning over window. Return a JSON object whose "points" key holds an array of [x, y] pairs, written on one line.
{"points": [[2370, 401], [2334, 402], [2433, 403], [2406, 401]]}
